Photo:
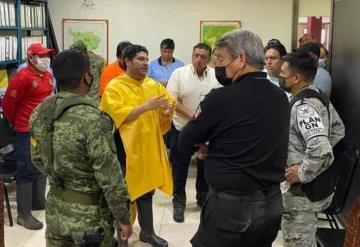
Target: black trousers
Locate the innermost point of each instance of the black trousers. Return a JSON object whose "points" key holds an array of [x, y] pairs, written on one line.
{"points": [[229, 220], [180, 162]]}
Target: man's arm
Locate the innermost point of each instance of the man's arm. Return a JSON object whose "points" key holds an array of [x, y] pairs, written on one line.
{"points": [[184, 111], [14, 93], [102, 155], [151, 104], [35, 145], [337, 127], [113, 104], [318, 153], [199, 129], [173, 88], [167, 111]]}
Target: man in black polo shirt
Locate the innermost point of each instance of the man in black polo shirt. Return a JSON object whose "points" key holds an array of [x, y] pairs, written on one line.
{"points": [[246, 126]]}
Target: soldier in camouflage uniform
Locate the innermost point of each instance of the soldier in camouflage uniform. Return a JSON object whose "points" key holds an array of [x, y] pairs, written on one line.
{"points": [[313, 133], [97, 64], [72, 142]]}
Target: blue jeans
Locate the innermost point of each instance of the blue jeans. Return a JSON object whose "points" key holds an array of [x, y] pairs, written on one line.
{"points": [[26, 172]]}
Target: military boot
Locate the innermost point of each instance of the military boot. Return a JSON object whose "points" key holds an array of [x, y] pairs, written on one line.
{"points": [[145, 218], [24, 198], [38, 193]]}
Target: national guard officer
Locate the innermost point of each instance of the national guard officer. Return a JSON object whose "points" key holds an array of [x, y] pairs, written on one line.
{"points": [[315, 127], [246, 125], [72, 142]]}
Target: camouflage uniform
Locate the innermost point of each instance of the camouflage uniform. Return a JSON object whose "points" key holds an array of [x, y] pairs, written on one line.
{"points": [[84, 165], [97, 64], [309, 146]]}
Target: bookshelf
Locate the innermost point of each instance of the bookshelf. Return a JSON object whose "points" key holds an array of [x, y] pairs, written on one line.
{"points": [[22, 22]]}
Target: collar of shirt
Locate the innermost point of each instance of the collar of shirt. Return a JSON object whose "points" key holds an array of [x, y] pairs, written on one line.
{"points": [[160, 63], [252, 75], [132, 80], [205, 72], [66, 94]]}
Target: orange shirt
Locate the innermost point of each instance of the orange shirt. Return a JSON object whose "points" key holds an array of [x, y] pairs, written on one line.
{"points": [[109, 72]]}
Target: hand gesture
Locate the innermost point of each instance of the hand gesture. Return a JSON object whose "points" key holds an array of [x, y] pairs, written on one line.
{"points": [[168, 109], [156, 102], [202, 151]]}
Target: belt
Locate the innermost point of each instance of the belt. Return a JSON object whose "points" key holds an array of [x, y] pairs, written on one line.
{"points": [[71, 196], [237, 196]]}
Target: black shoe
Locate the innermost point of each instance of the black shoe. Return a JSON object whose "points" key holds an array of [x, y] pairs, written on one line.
{"points": [[178, 214], [152, 239], [29, 223]]}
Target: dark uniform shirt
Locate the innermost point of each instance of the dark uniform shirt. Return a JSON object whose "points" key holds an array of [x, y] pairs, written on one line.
{"points": [[247, 126]]}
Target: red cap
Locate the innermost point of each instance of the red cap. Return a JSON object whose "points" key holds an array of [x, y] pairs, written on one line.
{"points": [[39, 49]]}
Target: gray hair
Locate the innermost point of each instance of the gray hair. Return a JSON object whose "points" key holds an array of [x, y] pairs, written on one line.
{"points": [[244, 42]]}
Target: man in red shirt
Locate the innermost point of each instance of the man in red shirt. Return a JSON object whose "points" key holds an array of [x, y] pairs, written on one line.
{"points": [[27, 89]]}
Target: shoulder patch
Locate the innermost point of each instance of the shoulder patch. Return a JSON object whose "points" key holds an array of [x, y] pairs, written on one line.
{"points": [[33, 142], [309, 122]]}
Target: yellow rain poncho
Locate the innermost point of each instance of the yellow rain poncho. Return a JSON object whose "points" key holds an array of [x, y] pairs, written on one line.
{"points": [[147, 165]]}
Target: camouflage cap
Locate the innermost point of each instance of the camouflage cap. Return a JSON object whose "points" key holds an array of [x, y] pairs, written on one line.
{"points": [[79, 45]]}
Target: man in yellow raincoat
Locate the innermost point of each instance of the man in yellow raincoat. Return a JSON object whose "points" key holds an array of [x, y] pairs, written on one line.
{"points": [[142, 111]]}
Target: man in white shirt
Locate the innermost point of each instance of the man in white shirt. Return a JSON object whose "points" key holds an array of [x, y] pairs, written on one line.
{"points": [[274, 51], [188, 85]]}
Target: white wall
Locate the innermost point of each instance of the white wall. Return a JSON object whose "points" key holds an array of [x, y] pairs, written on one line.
{"points": [[315, 7], [147, 22]]}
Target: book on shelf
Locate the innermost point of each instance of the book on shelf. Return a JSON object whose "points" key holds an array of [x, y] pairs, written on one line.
{"points": [[8, 48], [7, 13], [22, 23], [2, 13], [33, 16]]}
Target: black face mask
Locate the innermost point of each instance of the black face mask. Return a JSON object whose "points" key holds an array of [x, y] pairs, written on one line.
{"points": [[220, 74], [282, 84]]}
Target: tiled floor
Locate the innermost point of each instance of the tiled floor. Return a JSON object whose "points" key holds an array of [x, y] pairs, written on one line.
{"points": [[178, 235]]}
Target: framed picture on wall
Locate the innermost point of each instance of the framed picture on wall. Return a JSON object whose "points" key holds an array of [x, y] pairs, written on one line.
{"points": [[94, 33], [211, 31]]}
